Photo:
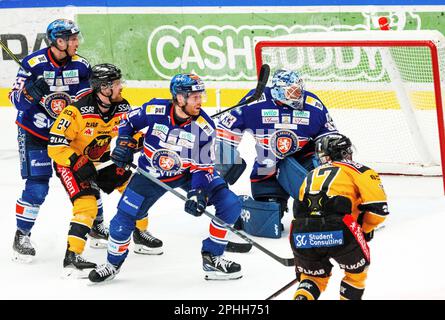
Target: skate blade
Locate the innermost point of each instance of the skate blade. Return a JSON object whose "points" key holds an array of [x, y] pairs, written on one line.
{"points": [[21, 258], [73, 273], [141, 249], [212, 275], [98, 243], [91, 283]]}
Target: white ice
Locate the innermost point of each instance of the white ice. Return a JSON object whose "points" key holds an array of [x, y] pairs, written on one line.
{"points": [[407, 255]]}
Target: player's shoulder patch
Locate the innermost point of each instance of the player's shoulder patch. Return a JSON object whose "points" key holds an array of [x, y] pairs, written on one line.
{"points": [[155, 109], [38, 59], [86, 105], [77, 58], [205, 125], [123, 106], [313, 101]]}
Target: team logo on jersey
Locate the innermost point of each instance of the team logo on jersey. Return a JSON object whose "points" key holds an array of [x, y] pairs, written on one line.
{"points": [[283, 142], [97, 147], [55, 102], [166, 160]]}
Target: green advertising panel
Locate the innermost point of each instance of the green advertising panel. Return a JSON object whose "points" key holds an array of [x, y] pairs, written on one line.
{"points": [[220, 47]]}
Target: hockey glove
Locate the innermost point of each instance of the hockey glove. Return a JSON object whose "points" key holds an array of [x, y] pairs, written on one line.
{"points": [[122, 154], [35, 90], [83, 168], [196, 203]]}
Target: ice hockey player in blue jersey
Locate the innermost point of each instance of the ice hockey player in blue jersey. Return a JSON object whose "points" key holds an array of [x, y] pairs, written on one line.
{"points": [[178, 150], [285, 122], [48, 81]]}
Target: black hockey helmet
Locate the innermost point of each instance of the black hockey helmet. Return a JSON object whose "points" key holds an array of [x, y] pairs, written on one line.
{"points": [[103, 75], [333, 147]]}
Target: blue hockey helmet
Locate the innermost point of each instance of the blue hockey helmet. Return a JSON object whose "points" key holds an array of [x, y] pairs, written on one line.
{"points": [[61, 28], [333, 147], [288, 88], [186, 83]]}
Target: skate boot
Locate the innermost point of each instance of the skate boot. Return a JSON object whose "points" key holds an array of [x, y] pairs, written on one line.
{"points": [[219, 268], [145, 243], [76, 266], [23, 251], [104, 272], [99, 235]]}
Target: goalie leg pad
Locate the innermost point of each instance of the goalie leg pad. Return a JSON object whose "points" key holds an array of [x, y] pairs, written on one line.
{"points": [[259, 218], [291, 175], [229, 163]]}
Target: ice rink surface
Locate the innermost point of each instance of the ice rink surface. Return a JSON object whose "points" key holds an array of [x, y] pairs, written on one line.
{"points": [[406, 254]]}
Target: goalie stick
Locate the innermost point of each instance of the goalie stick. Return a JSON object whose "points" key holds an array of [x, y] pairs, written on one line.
{"points": [[262, 81], [236, 247], [288, 262]]}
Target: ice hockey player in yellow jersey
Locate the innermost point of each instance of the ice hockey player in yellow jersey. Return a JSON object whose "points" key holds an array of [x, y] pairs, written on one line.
{"points": [[340, 204], [80, 137]]}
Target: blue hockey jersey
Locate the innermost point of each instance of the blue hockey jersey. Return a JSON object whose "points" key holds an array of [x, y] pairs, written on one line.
{"points": [[67, 83], [279, 130], [171, 150]]}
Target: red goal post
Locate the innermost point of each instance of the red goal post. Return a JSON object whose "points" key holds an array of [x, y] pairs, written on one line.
{"points": [[382, 88]]}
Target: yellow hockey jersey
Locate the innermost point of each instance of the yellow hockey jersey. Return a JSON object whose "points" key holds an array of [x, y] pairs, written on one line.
{"points": [[81, 128], [354, 181]]}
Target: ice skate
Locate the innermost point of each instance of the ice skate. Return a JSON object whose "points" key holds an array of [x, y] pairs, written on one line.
{"points": [[104, 272], [219, 268], [23, 251], [75, 266], [98, 236], [145, 243]]}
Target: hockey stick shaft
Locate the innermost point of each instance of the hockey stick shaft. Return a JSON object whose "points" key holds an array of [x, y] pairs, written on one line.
{"points": [[10, 53], [231, 246], [262, 81], [281, 290], [284, 261]]}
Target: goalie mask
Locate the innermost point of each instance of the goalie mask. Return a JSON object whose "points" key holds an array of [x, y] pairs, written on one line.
{"points": [[288, 88], [333, 147]]}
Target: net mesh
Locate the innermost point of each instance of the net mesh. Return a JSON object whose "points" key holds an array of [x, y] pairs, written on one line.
{"points": [[383, 98]]}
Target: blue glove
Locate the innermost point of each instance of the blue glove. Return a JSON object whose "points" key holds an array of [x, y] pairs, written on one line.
{"points": [[35, 90], [196, 203], [122, 154]]}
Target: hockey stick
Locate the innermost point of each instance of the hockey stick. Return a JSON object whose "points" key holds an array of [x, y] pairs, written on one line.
{"points": [[11, 54], [280, 291], [262, 81], [231, 246], [288, 262]]}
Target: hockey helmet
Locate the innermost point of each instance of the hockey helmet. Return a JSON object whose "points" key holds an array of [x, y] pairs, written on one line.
{"points": [[103, 75], [61, 28], [186, 84], [288, 88], [333, 147]]}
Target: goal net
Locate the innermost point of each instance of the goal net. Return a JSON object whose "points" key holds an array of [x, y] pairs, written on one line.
{"points": [[382, 88]]}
